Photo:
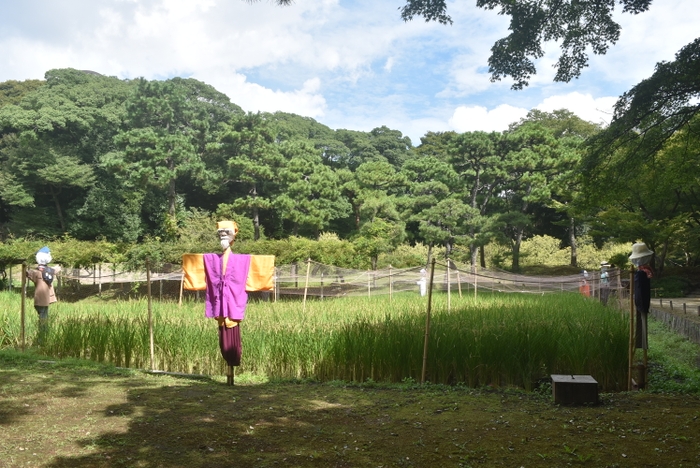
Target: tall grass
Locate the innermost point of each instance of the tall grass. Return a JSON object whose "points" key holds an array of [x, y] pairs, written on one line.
{"points": [[491, 340]]}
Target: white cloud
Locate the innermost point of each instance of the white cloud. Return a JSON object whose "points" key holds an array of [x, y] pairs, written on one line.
{"points": [[478, 118], [252, 97], [596, 110]]}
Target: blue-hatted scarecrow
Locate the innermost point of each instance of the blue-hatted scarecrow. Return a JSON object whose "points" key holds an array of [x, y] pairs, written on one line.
{"points": [[44, 293]]}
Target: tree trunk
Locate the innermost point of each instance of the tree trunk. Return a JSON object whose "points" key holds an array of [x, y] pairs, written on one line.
{"points": [[474, 251], [59, 213], [482, 254], [572, 242], [172, 198], [516, 250], [256, 214]]}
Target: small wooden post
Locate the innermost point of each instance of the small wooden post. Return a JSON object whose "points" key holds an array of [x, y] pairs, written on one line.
{"points": [[631, 342], [684, 310], [670, 303], [321, 285], [391, 285], [427, 323], [459, 284], [99, 284], [23, 302], [306, 286], [150, 313], [182, 287], [449, 287]]}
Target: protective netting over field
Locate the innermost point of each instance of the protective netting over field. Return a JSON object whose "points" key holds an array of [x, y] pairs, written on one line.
{"points": [[315, 279]]}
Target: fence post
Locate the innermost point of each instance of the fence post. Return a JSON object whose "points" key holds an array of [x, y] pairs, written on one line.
{"points": [[427, 324], [631, 342], [23, 307], [306, 286], [150, 311]]}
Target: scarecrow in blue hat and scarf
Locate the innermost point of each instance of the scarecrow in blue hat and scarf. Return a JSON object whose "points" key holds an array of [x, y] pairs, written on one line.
{"points": [[44, 294]]}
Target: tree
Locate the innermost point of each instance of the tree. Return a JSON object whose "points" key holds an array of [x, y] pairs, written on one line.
{"points": [[248, 146], [531, 163], [571, 133], [478, 159], [168, 130], [309, 191], [51, 139], [646, 117], [576, 24]]}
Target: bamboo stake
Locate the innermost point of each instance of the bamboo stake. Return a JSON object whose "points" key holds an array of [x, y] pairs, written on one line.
{"points": [[182, 287], [459, 284], [427, 324], [449, 287], [631, 343], [23, 307], [99, 284], [306, 286], [150, 312], [391, 285], [369, 284]]}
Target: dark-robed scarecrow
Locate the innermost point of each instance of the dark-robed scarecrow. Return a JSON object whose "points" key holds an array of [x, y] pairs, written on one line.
{"points": [[227, 278]]}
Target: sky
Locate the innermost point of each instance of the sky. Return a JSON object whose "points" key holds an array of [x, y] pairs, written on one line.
{"points": [[347, 64]]}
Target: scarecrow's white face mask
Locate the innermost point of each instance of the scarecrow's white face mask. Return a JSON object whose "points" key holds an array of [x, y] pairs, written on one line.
{"points": [[226, 237]]}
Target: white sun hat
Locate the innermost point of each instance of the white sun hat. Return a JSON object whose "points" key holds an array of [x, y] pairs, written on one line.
{"points": [[640, 250]]}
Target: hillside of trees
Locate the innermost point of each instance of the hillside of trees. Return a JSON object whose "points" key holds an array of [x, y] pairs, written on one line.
{"points": [[95, 158]]}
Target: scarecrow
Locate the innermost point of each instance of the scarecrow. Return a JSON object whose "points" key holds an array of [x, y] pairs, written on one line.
{"points": [[44, 294], [226, 279], [641, 258]]}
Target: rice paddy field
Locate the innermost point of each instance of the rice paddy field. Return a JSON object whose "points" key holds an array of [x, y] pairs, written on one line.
{"points": [[496, 340]]}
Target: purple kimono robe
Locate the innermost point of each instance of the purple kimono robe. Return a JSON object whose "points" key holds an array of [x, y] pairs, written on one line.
{"points": [[225, 294]]}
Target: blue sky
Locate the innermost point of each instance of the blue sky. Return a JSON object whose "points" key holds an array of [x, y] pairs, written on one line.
{"points": [[347, 64]]}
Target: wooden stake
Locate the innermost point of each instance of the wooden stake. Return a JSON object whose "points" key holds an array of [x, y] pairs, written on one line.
{"points": [[449, 287], [427, 324], [229, 375], [631, 343], [306, 286], [150, 312], [182, 287], [23, 307]]}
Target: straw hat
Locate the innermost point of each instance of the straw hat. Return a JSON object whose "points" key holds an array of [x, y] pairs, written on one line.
{"points": [[640, 250]]}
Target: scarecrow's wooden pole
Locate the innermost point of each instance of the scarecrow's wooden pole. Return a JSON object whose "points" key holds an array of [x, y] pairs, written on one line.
{"points": [[23, 300], [631, 343], [427, 324], [150, 311], [229, 375]]}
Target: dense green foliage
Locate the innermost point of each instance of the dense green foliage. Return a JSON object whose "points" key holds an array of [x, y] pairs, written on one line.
{"points": [[145, 169]]}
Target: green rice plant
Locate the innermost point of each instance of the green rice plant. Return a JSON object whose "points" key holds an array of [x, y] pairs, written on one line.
{"points": [[495, 339]]}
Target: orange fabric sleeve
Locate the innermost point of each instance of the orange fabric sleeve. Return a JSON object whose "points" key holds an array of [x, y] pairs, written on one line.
{"points": [[193, 269], [261, 273]]}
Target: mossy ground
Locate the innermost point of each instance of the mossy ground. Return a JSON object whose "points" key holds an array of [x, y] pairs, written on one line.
{"points": [[81, 414]]}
